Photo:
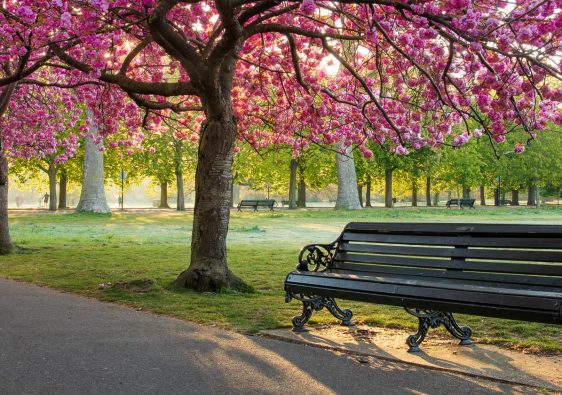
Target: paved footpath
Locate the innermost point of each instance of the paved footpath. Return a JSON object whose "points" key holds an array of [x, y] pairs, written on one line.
{"points": [[57, 343]]}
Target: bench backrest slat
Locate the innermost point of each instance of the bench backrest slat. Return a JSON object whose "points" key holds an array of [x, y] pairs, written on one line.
{"points": [[525, 254]]}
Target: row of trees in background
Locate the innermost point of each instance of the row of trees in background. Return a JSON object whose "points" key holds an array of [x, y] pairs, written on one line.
{"points": [[169, 159]]}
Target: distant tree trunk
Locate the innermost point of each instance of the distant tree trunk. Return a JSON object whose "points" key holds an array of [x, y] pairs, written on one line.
{"points": [[92, 196], [465, 192], [368, 192], [63, 183], [531, 195], [436, 199], [293, 184], [360, 194], [482, 195], [515, 197], [414, 195], [52, 187], [428, 191], [164, 195], [178, 160], [6, 246], [348, 196], [180, 200], [301, 191], [388, 188]]}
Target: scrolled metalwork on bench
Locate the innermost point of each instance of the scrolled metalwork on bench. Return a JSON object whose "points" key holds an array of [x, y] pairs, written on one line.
{"points": [[316, 257], [432, 319], [311, 303]]}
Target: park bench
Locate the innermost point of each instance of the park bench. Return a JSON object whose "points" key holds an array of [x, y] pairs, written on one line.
{"points": [[434, 270], [256, 203], [460, 202], [285, 203]]}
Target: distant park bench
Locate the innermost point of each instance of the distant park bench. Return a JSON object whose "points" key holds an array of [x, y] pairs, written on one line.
{"points": [[285, 203], [460, 202], [256, 203], [505, 202]]}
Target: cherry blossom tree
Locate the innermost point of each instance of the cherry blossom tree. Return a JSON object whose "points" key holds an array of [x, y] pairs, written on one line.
{"points": [[420, 68]]}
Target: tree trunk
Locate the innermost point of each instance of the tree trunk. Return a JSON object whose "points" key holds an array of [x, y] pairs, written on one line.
{"points": [[6, 246], [301, 202], [52, 187], [164, 195], [428, 191], [293, 185], [63, 184], [515, 197], [415, 195], [531, 195], [180, 200], [436, 199], [388, 188], [482, 195], [92, 196], [360, 194], [208, 270], [178, 160], [368, 192], [348, 196], [465, 192]]}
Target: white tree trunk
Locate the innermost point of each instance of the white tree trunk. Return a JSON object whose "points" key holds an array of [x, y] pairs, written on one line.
{"points": [[348, 197], [92, 197]]}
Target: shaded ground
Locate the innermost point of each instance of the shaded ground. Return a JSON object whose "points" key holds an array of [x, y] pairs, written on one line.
{"points": [[441, 353], [90, 254], [60, 343]]}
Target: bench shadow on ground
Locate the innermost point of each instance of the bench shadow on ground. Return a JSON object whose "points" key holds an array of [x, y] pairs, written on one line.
{"points": [[267, 363], [475, 360]]}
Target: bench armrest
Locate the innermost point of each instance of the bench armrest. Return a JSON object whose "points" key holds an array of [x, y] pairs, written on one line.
{"points": [[316, 257]]}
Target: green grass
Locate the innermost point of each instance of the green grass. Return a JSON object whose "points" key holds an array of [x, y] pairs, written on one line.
{"points": [[76, 253]]}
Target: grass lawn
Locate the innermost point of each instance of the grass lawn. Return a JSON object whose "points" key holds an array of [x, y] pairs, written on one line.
{"points": [[76, 253]]}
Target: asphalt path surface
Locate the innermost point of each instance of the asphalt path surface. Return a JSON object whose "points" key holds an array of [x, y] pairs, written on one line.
{"points": [[58, 343]]}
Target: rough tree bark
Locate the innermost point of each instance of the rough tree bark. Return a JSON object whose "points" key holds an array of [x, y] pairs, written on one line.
{"points": [[348, 194], [63, 184], [92, 196], [436, 199], [163, 195], [465, 192], [414, 195], [208, 269], [482, 195], [428, 191], [293, 184], [360, 194], [515, 197], [388, 188]]}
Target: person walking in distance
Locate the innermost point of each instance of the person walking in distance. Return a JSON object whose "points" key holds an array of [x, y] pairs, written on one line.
{"points": [[46, 199]]}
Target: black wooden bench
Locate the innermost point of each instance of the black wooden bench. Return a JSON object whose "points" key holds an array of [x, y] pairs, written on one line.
{"points": [[460, 202], [434, 270], [256, 203]]}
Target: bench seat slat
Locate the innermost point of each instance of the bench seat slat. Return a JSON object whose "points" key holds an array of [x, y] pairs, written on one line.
{"points": [[434, 292], [514, 313], [483, 266], [464, 240], [523, 281], [451, 252]]}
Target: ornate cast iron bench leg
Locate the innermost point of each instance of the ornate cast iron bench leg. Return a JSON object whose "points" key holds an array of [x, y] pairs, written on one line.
{"points": [[316, 303], [432, 319]]}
